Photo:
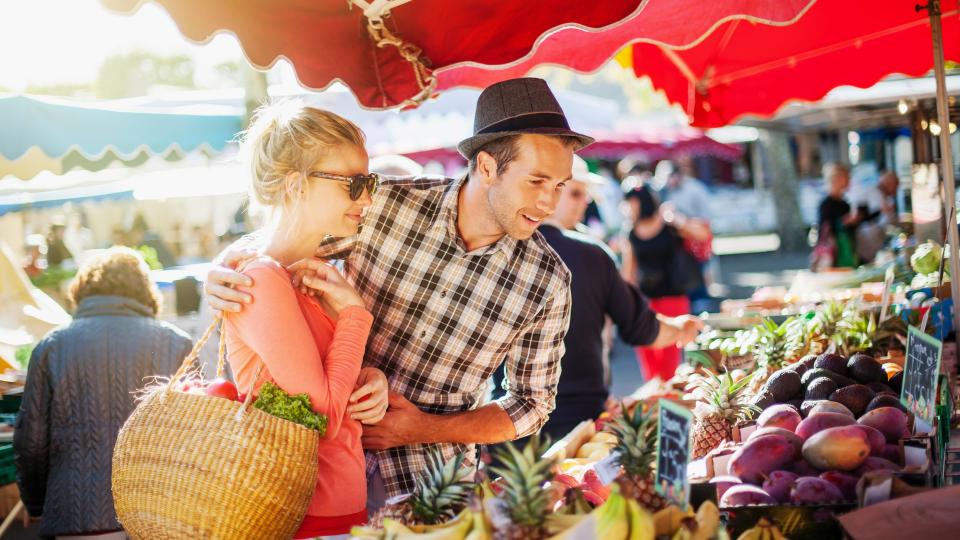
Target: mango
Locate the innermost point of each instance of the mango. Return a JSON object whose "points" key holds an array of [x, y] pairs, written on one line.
{"points": [[744, 495], [877, 441], [845, 482], [780, 416], [830, 406], [761, 456], [890, 421], [818, 422], [842, 448], [813, 490], [724, 483], [874, 463], [778, 484], [789, 435], [891, 452], [802, 468]]}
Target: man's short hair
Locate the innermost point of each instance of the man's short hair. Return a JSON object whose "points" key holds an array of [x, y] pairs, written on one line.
{"points": [[505, 149]]}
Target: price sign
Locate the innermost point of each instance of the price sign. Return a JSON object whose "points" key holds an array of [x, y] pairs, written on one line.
{"points": [[673, 452], [920, 372]]}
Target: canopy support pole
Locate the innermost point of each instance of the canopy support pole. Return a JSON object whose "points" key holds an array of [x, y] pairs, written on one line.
{"points": [[946, 156]]}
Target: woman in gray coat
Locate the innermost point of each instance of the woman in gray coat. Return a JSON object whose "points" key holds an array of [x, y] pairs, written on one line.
{"points": [[79, 392]]}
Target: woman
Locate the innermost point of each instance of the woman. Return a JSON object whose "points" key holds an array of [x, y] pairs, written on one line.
{"points": [[79, 392], [309, 171], [656, 261], [837, 224]]}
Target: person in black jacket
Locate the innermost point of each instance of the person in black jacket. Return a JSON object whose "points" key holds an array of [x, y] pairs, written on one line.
{"points": [[597, 292], [79, 392]]}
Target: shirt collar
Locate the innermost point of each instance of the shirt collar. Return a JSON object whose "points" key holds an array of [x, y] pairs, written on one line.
{"points": [[447, 219]]}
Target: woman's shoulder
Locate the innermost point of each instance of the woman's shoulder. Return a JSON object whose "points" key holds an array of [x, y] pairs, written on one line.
{"points": [[263, 265]]}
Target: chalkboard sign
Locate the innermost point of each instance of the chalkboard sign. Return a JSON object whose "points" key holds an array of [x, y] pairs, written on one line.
{"points": [[920, 372], [673, 452]]}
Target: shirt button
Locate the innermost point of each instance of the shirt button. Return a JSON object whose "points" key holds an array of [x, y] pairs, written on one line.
{"points": [[423, 334], [443, 294]]}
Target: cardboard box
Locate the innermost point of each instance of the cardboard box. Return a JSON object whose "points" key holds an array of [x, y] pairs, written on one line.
{"points": [[932, 514]]}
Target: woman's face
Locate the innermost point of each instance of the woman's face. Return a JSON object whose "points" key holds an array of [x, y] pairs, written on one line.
{"points": [[326, 206]]}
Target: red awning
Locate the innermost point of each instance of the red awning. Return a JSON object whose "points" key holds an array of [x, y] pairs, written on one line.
{"points": [[676, 23], [744, 69], [419, 40], [328, 40]]}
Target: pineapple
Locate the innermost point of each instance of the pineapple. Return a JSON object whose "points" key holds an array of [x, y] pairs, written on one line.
{"points": [[441, 492], [776, 345], [855, 333], [637, 449], [721, 403], [523, 498]]}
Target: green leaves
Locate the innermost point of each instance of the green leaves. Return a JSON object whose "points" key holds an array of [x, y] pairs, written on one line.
{"points": [[273, 400]]}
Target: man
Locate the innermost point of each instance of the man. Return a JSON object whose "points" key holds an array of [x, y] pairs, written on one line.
{"points": [[877, 208], [597, 291], [686, 194], [459, 282]]}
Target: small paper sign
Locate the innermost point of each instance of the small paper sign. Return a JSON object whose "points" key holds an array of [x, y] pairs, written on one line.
{"points": [[608, 468], [887, 293], [920, 372], [673, 452]]}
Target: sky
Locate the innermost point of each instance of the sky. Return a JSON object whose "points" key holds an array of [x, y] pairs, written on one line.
{"points": [[44, 42]]}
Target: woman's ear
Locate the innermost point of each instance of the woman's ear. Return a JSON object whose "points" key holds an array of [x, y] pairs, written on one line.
{"points": [[295, 185]]}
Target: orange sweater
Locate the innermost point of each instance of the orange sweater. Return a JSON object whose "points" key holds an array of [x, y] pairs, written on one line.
{"points": [[305, 351]]}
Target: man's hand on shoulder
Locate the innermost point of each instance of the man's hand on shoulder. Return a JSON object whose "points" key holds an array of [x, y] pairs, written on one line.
{"points": [[220, 286]]}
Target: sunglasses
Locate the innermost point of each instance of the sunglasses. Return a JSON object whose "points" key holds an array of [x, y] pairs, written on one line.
{"points": [[358, 182]]}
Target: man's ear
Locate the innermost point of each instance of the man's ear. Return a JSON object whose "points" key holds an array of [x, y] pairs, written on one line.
{"points": [[486, 167]]}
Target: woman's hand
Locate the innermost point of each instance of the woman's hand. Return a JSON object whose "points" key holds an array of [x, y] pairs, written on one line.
{"points": [[369, 400], [320, 279]]}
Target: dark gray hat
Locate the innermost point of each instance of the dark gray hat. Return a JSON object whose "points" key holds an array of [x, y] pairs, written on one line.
{"points": [[514, 107]]}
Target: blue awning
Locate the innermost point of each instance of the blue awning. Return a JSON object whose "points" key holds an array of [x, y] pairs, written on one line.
{"points": [[48, 131]]}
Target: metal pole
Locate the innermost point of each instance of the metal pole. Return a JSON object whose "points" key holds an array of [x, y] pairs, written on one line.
{"points": [[946, 157]]}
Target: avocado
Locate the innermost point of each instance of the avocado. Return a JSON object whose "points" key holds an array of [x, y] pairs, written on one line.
{"points": [[807, 405], [796, 403], [864, 369], [763, 400], [816, 373], [881, 388], [820, 388], [885, 400], [855, 397], [783, 384], [799, 368], [808, 361], [896, 382], [833, 362]]}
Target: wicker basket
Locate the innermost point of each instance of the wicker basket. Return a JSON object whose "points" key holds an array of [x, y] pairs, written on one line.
{"points": [[194, 466]]}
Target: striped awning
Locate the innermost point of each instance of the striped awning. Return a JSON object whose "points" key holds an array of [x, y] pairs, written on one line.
{"points": [[46, 134]]}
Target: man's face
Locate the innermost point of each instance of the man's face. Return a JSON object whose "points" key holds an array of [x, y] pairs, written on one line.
{"points": [[572, 205], [528, 190]]}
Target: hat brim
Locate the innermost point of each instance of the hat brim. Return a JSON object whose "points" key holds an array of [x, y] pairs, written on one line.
{"points": [[471, 145]]}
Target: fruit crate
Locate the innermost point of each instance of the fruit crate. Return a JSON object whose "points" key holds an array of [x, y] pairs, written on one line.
{"points": [[8, 471]]}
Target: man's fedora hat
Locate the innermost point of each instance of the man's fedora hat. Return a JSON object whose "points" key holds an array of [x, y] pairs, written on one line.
{"points": [[514, 107]]}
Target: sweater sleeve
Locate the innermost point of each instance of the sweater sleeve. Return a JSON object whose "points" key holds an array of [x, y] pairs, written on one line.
{"points": [[31, 438], [274, 327]]}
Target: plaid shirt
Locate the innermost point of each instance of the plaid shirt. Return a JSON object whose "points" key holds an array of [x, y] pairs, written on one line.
{"points": [[445, 319]]}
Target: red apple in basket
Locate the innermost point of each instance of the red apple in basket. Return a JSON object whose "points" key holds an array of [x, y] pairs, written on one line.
{"points": [[222, 388]]}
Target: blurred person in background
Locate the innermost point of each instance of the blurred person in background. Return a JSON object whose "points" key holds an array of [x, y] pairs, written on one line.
{"points": [[656, 261], [78, 236], [58, 253], [141, 235], [80, 389], [836, 222], [35, 248], [876, 210], [686, 194]]}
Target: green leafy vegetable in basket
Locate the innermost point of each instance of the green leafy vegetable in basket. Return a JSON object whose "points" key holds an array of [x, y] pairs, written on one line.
{"points": [[273, 400]]}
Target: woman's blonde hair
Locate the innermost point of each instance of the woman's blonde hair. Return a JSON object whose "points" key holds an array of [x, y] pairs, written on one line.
{"points": [[118, 271], [288, 137]]}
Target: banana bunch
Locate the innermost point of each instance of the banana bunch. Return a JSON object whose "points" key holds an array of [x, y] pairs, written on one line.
{"points": [[705, 525], [616, 519], [468, 525], [672, 522], [764, 530]]}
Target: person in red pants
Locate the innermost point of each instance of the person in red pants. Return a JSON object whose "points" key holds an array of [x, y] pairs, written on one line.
{"points": [[656, 261]]}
